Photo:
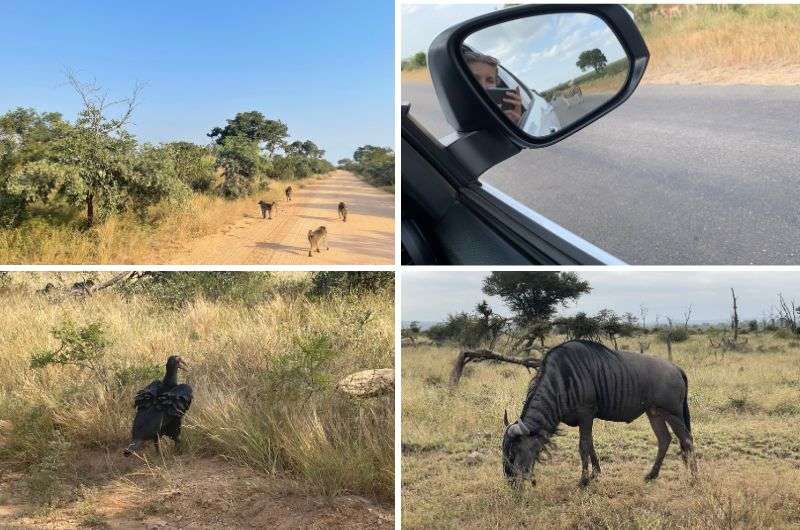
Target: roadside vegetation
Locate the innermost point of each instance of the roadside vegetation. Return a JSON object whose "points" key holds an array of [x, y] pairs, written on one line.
{"points": [[265, 351], [86, 191], [374, 164], [743, 396]]}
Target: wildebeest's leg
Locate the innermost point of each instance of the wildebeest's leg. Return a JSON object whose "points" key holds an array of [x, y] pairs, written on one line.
{"points": [[595, 460], [585, 449], [662, 434], [686, 441]]}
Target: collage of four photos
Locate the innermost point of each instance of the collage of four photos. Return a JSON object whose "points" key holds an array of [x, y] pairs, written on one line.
{"points": [[572, 301]]}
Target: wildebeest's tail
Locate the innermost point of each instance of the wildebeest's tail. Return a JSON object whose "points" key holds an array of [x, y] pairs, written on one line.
{"points": [[686, 417]]}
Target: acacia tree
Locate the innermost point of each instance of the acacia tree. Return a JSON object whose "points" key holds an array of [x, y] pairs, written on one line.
{"points": [[534, 297], [272, 134], [93, 161], [592, 58]]}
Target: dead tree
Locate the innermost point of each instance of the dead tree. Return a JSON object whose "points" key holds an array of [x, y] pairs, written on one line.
{"points": [[476, 356], [734, 318], [726, 342], [669, 339]]}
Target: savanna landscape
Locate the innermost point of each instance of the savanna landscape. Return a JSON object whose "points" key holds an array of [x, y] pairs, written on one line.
{"points": [[276, 436], [743, 393], [86, 191]]}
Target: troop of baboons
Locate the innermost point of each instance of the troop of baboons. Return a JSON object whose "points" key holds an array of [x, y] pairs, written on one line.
{"points": [[315, 237]]}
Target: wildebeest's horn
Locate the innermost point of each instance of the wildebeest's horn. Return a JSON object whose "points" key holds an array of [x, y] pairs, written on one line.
{"points": [[505, 418], [523, 428]]}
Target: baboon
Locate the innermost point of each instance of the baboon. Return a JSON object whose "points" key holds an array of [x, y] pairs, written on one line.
{"points": [[315, 237], [343, 211], [266, 208], [82, 287], [289, 193]]}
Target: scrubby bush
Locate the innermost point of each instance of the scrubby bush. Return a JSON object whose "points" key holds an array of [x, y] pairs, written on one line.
{"points": [[329, 281], [176, 289]]}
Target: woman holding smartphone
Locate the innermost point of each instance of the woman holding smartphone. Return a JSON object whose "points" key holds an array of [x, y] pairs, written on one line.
{"points": [[484, 68]]}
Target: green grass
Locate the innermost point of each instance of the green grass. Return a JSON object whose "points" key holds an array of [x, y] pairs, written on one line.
{"points": [[744, 418]]}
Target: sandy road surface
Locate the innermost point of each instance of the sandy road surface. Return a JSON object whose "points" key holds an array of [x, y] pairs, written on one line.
{"points": [[366, 238]]}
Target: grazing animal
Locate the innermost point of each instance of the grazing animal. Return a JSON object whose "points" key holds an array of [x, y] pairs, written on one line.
{"points": [[289, 193], [572, 95], [315, 237], [580, 381], [160, 407], [343, 211], [267, 207]]}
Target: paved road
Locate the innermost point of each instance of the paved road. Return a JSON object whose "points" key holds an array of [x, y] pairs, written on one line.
{"points": [[677, 175], [366, 238]]}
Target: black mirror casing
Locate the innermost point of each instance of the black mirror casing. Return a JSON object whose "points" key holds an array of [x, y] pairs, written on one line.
{"points": [[484, 136]]}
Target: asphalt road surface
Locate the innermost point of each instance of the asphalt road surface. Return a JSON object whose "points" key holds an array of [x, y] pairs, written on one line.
{"points": [[677, 175]]}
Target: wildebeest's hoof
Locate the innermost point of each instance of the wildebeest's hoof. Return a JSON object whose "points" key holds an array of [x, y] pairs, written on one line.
{"points": [[583, 482]]}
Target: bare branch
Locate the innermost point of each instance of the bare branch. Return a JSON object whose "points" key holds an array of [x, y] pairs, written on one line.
{"points": [[486, 355]]}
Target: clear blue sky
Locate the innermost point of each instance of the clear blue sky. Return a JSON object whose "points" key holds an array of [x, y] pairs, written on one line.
{"points": [[325, 68]]}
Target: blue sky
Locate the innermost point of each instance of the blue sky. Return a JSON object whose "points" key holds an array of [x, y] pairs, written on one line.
{"points": [[325, 68], [431, 296]]}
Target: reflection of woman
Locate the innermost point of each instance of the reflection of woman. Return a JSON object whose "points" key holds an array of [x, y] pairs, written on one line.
{"points": [[484, 68]]}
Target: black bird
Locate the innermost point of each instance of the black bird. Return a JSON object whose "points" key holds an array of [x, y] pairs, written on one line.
{"points": [[160, 407]]}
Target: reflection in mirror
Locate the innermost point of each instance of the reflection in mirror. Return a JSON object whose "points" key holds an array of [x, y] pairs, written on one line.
{"points": [[547, 71]]}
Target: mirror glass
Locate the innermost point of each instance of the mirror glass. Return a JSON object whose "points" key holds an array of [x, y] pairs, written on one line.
{"points": [[547, 71]]}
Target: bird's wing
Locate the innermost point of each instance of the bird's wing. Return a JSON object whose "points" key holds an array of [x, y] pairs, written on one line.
{"points": [[176, 401], [147, 396]]}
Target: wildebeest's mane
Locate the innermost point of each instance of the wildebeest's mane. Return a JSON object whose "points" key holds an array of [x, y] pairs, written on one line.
{"points": [[533, 387]]}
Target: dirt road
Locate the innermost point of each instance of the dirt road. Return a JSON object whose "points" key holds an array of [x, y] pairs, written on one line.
{"points": [[366, 238]]}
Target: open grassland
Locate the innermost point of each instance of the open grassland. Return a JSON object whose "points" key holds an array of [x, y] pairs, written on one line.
{"points": [[745, 409], [263, 372], [61, 237]]}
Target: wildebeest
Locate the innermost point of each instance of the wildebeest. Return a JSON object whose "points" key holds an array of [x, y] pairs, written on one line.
{"points": [[267, 207], [342, 211], [315, 237], [580, 381], [289, 193], [160, 407]]}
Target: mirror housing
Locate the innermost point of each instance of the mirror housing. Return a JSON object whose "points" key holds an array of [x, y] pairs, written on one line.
{"points": [[483, 138]]}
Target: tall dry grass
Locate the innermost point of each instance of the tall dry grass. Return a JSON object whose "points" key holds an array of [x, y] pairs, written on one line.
{"points": [[744, 407], [257, 401], [739, 44], [125, 239]]}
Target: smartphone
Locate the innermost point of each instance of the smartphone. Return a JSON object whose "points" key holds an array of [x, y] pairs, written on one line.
{"points": [[497, 95]]}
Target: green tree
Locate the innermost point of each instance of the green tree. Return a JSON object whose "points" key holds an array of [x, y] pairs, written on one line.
{"points": [[240, 161], [419, 60], [592, 58], [195, 165], [272, 134], [375, 163], [535, 295]]}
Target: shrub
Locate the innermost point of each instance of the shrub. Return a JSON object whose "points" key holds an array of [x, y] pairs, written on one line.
{"points": [[175, 289], [330, 281]]}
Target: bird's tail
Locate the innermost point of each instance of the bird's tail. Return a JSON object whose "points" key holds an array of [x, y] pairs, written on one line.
{"points": [[134, 445]]}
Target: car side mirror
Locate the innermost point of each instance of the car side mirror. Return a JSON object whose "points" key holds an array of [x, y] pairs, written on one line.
{"points": [[529, 76]]}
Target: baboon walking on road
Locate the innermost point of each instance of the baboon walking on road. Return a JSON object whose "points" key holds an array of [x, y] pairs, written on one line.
{"points": [[266, 208], [289, 193], [315, 237], [343, 211]]}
